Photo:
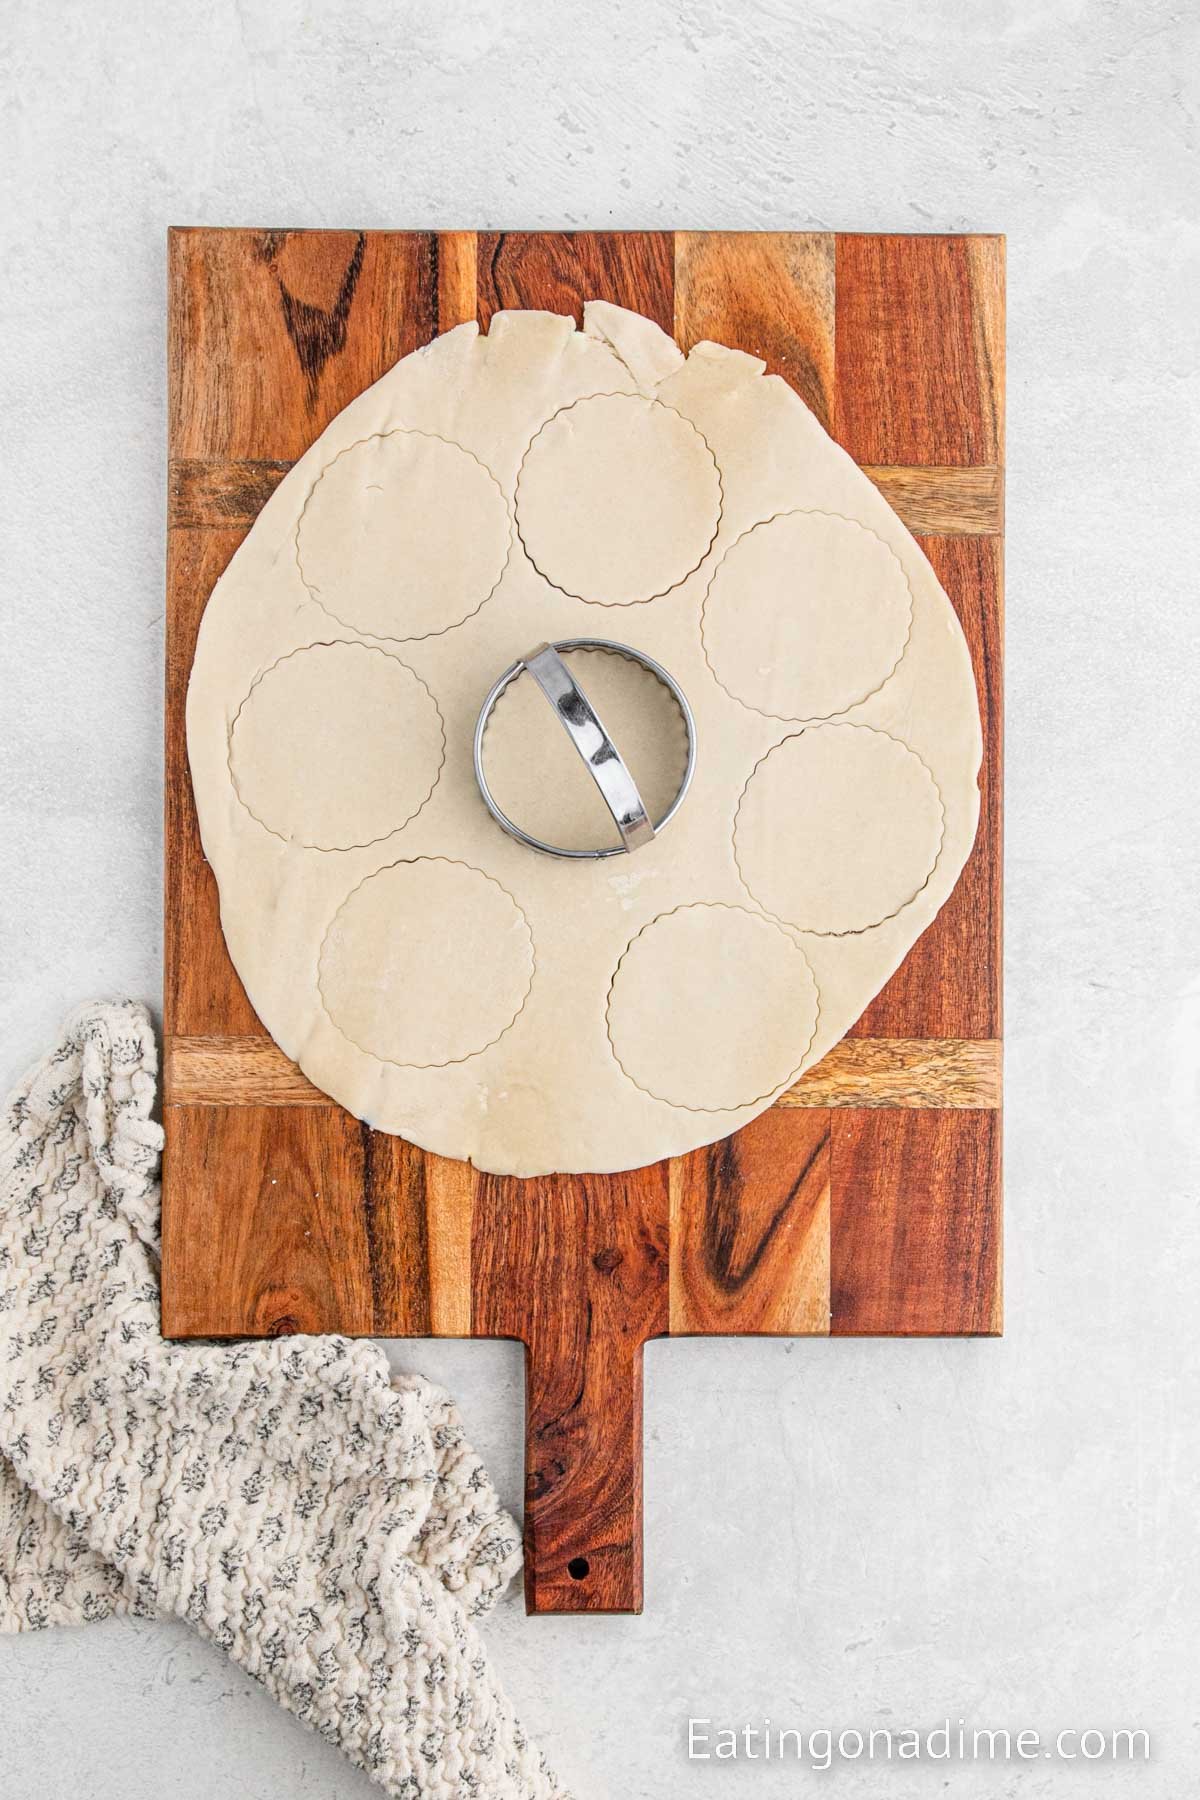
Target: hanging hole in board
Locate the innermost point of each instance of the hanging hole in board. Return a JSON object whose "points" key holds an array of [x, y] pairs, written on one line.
{"points": [[579, 1568]]}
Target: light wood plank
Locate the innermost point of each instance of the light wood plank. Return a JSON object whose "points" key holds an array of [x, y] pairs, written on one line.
{"points": [[449, 1209], [953, 1073], [947, 1073], [219, 492], [948, 502], [209, 1070], [457, 274]]}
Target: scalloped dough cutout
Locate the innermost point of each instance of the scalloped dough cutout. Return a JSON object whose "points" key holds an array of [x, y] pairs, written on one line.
{"points": [[538, 778], [426, 963], [403, 535], [336, 746], [838, 829], [733, 1008], [806, 615], [618, 499]]}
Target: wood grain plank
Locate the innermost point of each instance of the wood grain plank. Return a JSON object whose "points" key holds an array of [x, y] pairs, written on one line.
{"points": [[751, 1216], [750, 1230], [321, 1224], [940, 1073], [949, 984], [394, 1245], [558, 270], [201, 990], [770, 293], [272, 333], [457, 276], [220, 492], [212, 1070], [450, 1210], [959, 502], [265, 1231], [987, 261], [576, 1268], [918, 326], [915, 1223], [216, 492]]}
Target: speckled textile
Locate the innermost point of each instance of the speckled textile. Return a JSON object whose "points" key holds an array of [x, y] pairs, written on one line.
{"points": [[329, 1528]]}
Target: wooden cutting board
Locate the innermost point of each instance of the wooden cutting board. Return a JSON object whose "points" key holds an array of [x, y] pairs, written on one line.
{"points": [[868, 1199]]}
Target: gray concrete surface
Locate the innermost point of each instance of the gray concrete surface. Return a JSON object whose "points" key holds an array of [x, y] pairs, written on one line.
{"points": [[845, 1533]]}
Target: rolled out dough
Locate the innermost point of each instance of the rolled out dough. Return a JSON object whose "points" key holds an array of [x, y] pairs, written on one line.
{"points": [[490, 493]]}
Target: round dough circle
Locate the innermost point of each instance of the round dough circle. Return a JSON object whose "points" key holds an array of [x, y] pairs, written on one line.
{"points": [[618, 499], [336, 746], [838, 829], [538, 777], [426, 963], [806, 615], [735, 1008], [403, 535]]}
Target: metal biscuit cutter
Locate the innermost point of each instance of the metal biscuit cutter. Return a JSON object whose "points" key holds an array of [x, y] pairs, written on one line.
{"points": [[583, 726]]}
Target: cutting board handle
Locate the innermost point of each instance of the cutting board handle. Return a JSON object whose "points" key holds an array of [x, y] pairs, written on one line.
{"points": [[583, 1480], [577, 1269]]}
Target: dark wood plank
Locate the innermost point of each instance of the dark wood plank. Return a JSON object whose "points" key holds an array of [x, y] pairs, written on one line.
{"points": [[298, 1220], [915, 1223], [266, 1231], [949, 984], [556, 271], [201, 990], [750, 1230], [919, 349], [272, 333], [576, 1268], [395, 1200], [770, 293]]}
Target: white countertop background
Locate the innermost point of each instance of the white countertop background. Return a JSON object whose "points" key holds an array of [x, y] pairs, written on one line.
{"points": [[837, 1533]]}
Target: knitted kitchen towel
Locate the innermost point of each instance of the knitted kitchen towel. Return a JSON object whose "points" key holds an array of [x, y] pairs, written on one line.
{"points": [[49, 1575], [322, 1525]]}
